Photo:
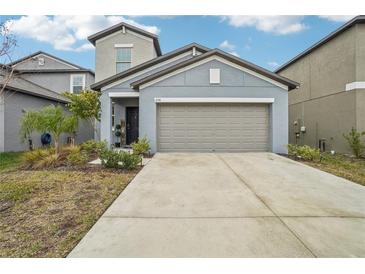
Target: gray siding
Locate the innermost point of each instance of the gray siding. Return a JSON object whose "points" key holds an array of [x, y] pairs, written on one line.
{"points": [[105, 52], [49, 63], [234, 83], [58, 82], [15, 103]]}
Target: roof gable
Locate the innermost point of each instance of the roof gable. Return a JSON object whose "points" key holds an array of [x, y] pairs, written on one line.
{"points": [[149, 65], [221, 56], [120, 26]]}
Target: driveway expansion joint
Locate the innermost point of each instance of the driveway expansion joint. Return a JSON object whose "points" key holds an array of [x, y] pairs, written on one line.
{"points": [[267, 206]]}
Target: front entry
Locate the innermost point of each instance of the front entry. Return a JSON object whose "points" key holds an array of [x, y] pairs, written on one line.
{"points": [[132, 124]]}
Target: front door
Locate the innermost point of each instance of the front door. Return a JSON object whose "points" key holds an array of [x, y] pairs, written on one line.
{"points": [[132, 124]]}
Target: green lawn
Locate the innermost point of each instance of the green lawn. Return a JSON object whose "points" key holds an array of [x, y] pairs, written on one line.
{"points": [[9, 160]]}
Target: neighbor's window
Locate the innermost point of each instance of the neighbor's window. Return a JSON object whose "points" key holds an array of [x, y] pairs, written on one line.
{"points": [[124, 59], [77, 83]]}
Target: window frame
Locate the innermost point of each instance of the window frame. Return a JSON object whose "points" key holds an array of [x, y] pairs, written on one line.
{"points": [[72, 81], [122, 46]]}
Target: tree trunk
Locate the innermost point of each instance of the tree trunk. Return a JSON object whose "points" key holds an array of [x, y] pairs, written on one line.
{"points": [[57, 145]]}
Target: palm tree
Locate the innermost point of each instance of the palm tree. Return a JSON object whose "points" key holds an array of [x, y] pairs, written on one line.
{"points": [[51, 119]]}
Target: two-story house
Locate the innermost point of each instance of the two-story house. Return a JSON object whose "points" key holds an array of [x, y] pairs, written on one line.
{"points": [[38, 81], [331, 98], [190, 99]]}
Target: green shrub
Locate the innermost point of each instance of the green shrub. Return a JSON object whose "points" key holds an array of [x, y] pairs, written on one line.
{"points": [[77, 158], [354, 140], [304, 152], [130, 161], [110, 158], [141, 146], [94, 147]]}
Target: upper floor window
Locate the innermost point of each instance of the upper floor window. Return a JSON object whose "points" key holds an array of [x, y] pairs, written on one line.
{"points": [[77, 83], [124, 59]]}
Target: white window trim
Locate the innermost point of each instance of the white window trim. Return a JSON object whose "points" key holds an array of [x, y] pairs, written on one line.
{"points": [[355, 85], [214, 100], [220, 59], [123, 45], [83, 82]]}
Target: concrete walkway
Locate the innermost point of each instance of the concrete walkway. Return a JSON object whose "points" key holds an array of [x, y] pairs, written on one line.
{"points": [[231, 205]]}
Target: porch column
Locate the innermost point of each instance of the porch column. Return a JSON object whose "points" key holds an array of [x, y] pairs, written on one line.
{"points": [[106, 118]]}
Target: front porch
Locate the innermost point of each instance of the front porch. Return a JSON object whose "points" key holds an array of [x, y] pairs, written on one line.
{"points": [[120, 118]]}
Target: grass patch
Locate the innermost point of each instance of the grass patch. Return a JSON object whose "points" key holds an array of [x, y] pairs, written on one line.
{"points": [[342, 166], [9, 160], [45, 213]]}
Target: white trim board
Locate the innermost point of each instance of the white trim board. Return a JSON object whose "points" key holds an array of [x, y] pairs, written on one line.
{"points": [[214, 100], [220, 59], [124, 94], [147, 70], [123, 45], [355, 85]]}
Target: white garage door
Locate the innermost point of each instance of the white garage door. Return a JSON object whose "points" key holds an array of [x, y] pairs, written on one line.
{"points": [[213, 127]]}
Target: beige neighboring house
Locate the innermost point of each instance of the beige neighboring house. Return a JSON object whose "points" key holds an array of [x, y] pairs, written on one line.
{"points": [[331, 96]]}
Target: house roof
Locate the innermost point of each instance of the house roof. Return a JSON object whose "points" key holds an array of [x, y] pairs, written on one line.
{"points": [[112, 29], [55, 71], [50, 55], [285, 81], [356, 20], [24, 86], [145, 65]]}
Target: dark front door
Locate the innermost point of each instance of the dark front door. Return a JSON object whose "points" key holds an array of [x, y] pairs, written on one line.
{"points": [[132, 124]]}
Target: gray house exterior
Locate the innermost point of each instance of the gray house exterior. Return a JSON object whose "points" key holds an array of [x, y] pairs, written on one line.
{"points": [[331, 97], [39, 79], [193, 99]]}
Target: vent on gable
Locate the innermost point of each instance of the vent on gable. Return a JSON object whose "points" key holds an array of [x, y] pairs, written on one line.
{"points": [[40, 61], [215, 76]]}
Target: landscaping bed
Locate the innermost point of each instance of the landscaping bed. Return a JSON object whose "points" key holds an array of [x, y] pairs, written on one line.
{"points": [[345, 166], [45, 213]]}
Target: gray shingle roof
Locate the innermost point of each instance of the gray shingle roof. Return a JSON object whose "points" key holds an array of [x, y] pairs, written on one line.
{"points": [[24, 86]]}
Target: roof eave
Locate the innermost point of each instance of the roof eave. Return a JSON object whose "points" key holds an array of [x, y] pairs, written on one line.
{"points": [[287, 82]]}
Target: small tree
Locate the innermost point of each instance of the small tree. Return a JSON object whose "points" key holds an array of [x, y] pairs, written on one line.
{"points": [[51, 119], [354, 140], [85, 106]]}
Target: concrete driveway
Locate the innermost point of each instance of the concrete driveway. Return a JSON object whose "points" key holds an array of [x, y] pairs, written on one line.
{"points": [[231, 205]]}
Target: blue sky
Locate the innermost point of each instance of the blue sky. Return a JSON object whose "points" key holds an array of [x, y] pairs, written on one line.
{"points": [[267, 41]]}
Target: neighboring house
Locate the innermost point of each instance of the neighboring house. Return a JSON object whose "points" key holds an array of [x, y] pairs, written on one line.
{"points": [[38, 81], [191, 99], [331, 97]]}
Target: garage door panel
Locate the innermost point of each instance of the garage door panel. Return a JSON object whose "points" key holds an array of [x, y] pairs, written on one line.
{"points": [[213, 127]]}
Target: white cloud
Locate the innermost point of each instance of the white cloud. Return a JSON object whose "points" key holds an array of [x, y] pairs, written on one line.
{"points": [[234, 53], [226, 45], [277, 24], [273, 64], [67, 32], [337, 18], [248, 44]]}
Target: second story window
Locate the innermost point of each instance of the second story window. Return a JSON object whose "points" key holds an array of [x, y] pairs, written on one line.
{"points": [[124, 59], [77, 83]]}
